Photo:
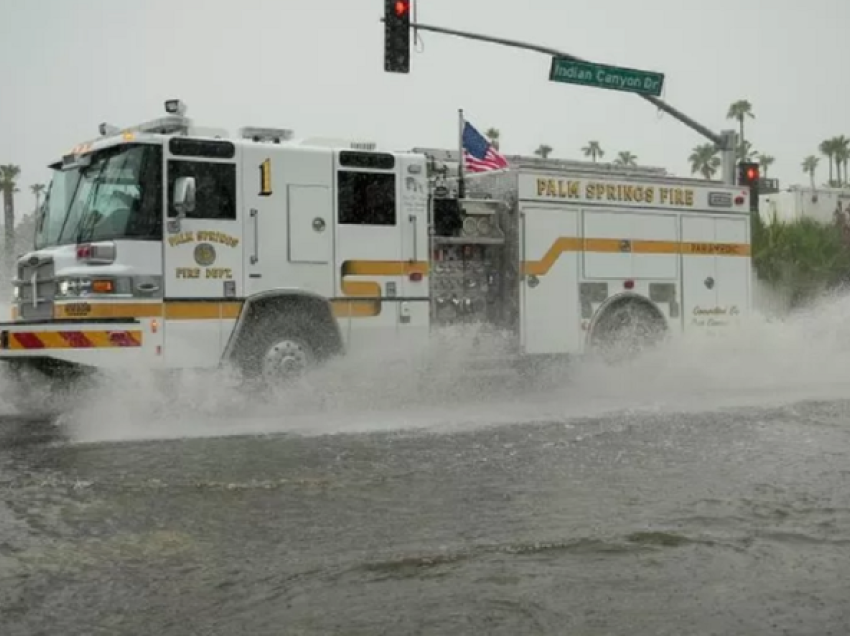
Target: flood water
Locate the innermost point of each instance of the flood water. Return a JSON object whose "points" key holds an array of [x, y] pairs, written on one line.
{"points": [[726, 523]]}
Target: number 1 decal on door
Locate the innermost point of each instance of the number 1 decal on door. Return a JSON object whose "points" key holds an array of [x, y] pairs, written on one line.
{"points": [[266, 178]]}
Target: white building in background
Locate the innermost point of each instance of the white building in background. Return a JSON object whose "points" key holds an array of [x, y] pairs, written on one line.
{"points": [[797, 202]]}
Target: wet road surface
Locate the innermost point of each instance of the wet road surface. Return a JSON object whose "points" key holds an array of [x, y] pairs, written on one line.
{"points": [[731, 522]]}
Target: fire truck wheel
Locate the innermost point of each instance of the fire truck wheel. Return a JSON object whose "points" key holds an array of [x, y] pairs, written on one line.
{"points": [[626, 330], [280, 353]]}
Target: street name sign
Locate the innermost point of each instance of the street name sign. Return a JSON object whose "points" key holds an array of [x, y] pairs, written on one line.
{"points": [[615, 78]]}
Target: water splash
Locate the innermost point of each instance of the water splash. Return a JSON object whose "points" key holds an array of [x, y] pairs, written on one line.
{"points": [[764, 362]]}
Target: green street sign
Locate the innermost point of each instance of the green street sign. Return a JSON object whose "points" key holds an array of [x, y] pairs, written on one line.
{"points": [[614, 78]]}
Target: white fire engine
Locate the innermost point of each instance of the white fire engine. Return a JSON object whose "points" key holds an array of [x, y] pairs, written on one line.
{"points": [[171, 247]]}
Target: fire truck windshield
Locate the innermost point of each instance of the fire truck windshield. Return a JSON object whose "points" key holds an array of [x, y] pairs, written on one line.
{"points": [[117, 196]]}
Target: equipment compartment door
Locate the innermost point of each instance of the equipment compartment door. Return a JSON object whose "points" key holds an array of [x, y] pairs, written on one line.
{"points": [[549, 290], [289, 219], [715, 271]]}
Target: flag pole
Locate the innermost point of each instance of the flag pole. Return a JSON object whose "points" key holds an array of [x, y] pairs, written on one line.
{"points": [[461, 185]]}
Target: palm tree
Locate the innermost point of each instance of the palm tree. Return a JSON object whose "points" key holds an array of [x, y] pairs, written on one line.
{"points": [[842, 155], [810, 166], [745, 152], [543, 151], [704, 160], [37, 190], [625, 158], [493, 135], [593, 150], [828, 149], [739, 111], [765, 161], [8, 185]]}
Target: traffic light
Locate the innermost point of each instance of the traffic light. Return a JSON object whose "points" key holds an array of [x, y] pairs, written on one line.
{"points": [[749, 175], [397, 36]]}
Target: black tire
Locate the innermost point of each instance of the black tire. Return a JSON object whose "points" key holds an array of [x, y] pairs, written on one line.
{"points": [[627, 330]]}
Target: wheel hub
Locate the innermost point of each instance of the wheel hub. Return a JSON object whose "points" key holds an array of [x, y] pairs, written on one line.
{"points": [[285, 360]]}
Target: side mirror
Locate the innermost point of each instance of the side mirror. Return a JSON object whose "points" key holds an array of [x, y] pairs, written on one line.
{"points": [[184, 195]]}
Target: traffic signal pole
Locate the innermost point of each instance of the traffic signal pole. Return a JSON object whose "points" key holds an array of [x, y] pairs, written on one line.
{"points": [[726, 141]]}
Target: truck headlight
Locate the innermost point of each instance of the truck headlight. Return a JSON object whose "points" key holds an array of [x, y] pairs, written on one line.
{"points": [[73, 287], [80, 286]]}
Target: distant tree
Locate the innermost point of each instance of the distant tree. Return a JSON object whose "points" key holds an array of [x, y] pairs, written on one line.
{"points": [[765, 161], [739, 111], [842, 155], [9, 186], [745, 152], [543, 151], [37, 190], [593, 150], [810, 166], [493, 136], [829, 149], [704, 160], [625, 158]]}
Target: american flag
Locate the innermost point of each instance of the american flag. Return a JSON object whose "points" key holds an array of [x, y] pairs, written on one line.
{"points": [[479, 155]]}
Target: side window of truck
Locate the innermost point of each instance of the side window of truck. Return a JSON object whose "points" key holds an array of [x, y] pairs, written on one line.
{"points": [[215, 189], [366, 198]]}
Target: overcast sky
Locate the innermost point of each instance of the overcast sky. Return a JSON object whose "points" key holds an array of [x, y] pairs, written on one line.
{"points": [[317, 66]]}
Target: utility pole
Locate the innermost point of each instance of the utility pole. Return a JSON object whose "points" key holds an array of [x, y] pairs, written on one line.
{"points": [[725, 141]]}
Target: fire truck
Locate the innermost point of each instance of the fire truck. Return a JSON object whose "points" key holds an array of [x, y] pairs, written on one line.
{"points": [[168, 246]]}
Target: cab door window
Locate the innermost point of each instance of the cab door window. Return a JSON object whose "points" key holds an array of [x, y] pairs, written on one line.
{"points": [[215, 189]]}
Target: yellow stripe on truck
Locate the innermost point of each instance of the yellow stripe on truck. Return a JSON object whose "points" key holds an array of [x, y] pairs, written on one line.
{"points": [[363, 296], [617, 246], [188, 310]]}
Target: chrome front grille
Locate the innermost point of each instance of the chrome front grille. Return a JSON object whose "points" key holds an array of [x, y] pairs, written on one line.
{"points": [[36, 279]]}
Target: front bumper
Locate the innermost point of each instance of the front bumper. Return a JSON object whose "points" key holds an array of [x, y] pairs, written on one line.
{"points": [[93, 343]]}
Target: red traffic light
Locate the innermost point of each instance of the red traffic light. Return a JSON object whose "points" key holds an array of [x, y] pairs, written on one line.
{"points": [[748, 173], [397, 36]]}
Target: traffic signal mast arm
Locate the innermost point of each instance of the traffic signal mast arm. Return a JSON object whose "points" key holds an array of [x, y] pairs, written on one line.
{"points": [[725, 141]]}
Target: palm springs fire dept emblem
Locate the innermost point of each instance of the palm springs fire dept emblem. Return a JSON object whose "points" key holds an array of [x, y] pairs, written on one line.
{"points": [[204, 254]]}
